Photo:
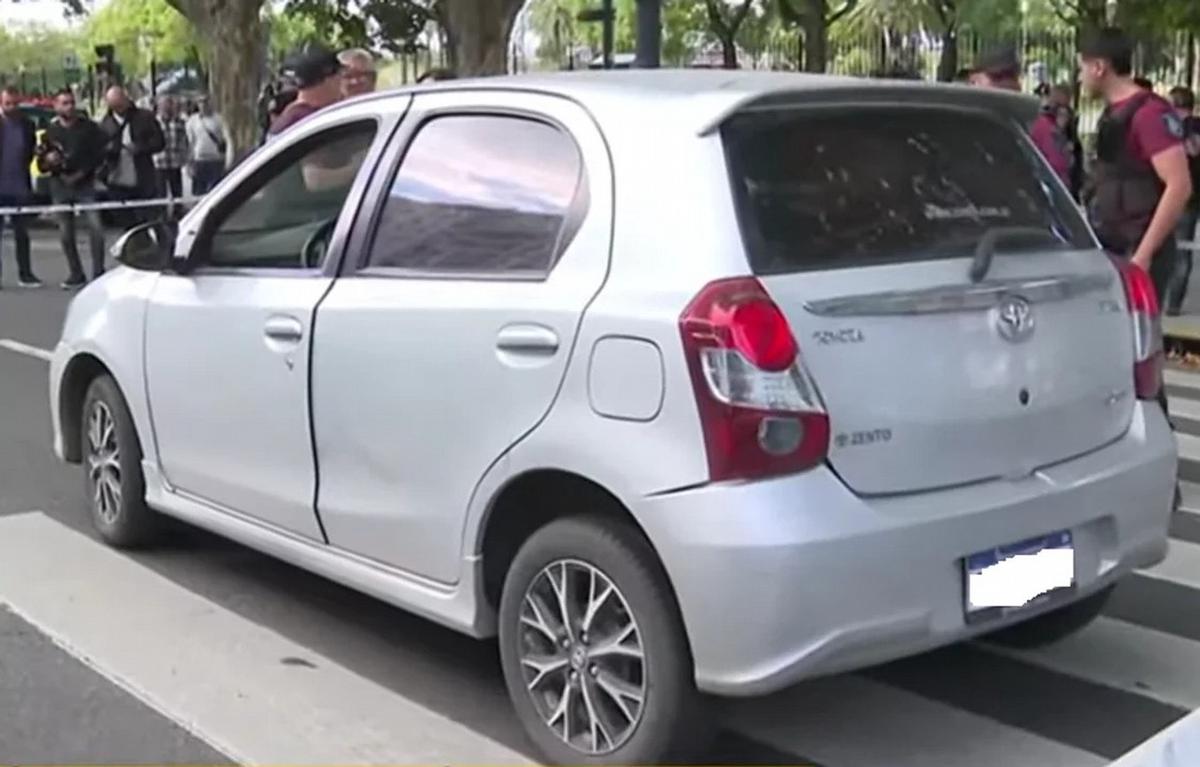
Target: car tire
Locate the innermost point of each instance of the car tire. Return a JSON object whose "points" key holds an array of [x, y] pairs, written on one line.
{"points": [[1054, 625], [581, 557], [112, 460]]}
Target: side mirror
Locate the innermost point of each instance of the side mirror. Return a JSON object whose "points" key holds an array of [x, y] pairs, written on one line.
{"points": [[148, 247]]}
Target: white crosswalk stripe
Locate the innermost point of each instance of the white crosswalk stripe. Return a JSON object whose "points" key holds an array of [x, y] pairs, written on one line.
{"points": [[250, 693], [849, 720], [222, 676], [1181, 566]]}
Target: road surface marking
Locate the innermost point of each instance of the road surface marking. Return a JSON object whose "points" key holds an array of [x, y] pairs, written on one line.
{"points": [[850, 720], [26, 349], [251, 693], [1126, 656], [1181, 566]]}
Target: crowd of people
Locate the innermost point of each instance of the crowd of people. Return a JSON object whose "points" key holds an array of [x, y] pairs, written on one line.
{"points": [[131, 154], [138, 153]]}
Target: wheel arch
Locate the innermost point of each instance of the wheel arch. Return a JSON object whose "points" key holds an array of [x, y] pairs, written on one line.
{"points": [[530, 500], [77, 376]]}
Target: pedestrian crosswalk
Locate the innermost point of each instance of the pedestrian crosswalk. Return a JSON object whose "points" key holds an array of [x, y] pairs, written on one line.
{"points": [[258, 696]]}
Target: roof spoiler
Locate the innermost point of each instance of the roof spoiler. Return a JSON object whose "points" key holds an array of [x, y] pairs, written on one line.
{"points": [[1015, 106]]}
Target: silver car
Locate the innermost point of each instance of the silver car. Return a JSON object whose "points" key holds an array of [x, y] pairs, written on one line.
{"points": [[681, 383]]}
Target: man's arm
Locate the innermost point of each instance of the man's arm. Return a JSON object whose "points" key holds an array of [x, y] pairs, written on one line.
{"points": [[1171, 165], [154, 140]]}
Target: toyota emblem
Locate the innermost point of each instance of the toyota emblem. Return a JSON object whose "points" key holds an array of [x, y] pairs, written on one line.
{"points": [[1014, 319]]}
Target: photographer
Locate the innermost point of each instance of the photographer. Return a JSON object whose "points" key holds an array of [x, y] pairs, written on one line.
{"points": [[71, 152]]}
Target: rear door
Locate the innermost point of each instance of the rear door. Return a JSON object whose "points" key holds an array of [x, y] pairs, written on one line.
{"points": [[448, 334], [863, 224]]}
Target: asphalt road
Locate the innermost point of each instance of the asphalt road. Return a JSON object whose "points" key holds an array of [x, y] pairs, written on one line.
{"points": [[203, 651]]}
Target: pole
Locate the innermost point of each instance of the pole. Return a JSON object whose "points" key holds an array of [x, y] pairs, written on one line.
{"points": [[609, 18], [649, 34], [153, 80]]}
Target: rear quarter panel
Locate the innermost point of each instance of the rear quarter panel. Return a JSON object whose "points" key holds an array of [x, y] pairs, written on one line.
{"points": [[674, 232]]}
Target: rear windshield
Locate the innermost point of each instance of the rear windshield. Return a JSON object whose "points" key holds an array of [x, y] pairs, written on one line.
{"points": [[830, 189]]}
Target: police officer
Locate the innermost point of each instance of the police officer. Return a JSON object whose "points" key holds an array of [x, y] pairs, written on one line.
{"points": [[1141, 183], [1001, 68]]}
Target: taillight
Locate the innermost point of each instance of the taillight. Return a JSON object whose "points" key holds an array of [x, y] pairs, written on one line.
{"points": [[1147, 329], [758, 410]]}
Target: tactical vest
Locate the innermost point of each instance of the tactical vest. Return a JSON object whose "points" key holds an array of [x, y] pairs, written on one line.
{"points": [[1125, 189]]}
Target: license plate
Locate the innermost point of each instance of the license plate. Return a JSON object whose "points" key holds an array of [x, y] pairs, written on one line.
{"points": [[1011, 577]]}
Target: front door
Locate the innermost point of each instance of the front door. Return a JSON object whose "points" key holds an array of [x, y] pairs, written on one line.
{"points": [[448, 341], [227, 345]]}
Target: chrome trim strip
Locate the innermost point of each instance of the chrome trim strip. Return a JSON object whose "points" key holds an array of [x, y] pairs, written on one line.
{"points": [[959, 298]]}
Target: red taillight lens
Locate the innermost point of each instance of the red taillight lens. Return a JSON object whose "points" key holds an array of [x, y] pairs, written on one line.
{"points": [[761, 333], [1147, 329], [758, 410]]}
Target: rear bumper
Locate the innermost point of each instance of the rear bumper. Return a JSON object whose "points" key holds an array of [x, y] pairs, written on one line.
{"points": [[798, 577]]}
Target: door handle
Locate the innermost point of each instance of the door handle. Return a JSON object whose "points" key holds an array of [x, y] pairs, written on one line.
{"points": [[527, 339], [283, 328]]}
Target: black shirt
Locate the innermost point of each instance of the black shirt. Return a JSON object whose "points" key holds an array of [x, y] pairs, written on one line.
{"points": [[81, 145]]}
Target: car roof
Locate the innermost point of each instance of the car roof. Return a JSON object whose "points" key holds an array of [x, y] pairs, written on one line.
{"points": [[699, 100]]}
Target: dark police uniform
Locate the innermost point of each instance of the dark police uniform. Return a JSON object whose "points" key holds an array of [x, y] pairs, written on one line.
{"points": [[1125, 189]]}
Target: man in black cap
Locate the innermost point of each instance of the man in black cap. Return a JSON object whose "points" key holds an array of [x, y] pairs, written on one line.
{"points": [[1001, 68], [318, 78], [998, 68]]}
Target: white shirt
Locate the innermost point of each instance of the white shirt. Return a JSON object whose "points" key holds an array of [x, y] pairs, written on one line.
{"points": [[202, 130], [126, 171]]}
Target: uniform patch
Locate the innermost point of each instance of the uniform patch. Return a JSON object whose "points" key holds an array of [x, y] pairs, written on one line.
{"points": [[1174, 124]]}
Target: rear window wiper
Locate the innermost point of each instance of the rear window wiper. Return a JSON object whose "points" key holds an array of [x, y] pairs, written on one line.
{"points": [[985, 250]]}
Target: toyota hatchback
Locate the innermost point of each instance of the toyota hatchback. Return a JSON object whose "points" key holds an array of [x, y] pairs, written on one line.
{"points": [[681, 383]]}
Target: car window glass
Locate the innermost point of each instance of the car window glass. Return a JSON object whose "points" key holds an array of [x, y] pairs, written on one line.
{"points": [[868, 186], [479, 194], [285, 215]]}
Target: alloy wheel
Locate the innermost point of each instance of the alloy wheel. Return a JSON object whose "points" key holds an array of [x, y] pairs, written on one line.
{"points": [[582, 657], [104, 462]]}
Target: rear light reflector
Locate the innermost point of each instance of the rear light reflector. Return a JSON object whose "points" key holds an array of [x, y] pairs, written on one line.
{"points": [[1149, 356], [759, 412]]}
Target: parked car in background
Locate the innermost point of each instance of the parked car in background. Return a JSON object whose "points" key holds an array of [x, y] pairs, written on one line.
{"points": [[886, 394]]}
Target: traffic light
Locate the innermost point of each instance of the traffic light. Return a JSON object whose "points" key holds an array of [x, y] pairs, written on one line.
{"points": [[105, 60]]}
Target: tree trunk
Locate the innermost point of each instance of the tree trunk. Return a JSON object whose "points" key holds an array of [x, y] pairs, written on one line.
{"points": [[478, 32], [815, 39], [729, 57], [237, 46], [948, 64]]}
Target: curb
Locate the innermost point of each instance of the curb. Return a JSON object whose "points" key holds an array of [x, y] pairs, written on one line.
{"points": [[1176, 746]]}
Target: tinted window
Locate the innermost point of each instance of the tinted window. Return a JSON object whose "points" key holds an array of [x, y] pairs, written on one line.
{"points": [[282, 218], [479, 194], [880, 186]]}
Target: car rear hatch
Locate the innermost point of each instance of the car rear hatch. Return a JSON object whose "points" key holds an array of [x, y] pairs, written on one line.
{"points": [[949, 302]]}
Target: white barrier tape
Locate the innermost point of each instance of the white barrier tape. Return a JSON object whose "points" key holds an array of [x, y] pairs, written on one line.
{"points": [[39, 210]]}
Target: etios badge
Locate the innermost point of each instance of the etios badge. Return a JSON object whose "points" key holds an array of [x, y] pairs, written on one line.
{"points": [[1014, 319]]}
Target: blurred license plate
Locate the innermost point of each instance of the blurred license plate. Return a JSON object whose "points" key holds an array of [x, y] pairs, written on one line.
{"points": [[1012, 576]]}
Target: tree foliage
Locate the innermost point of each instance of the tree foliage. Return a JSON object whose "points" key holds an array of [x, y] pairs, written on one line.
{"points": [[392, 26], [141, 31]]}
